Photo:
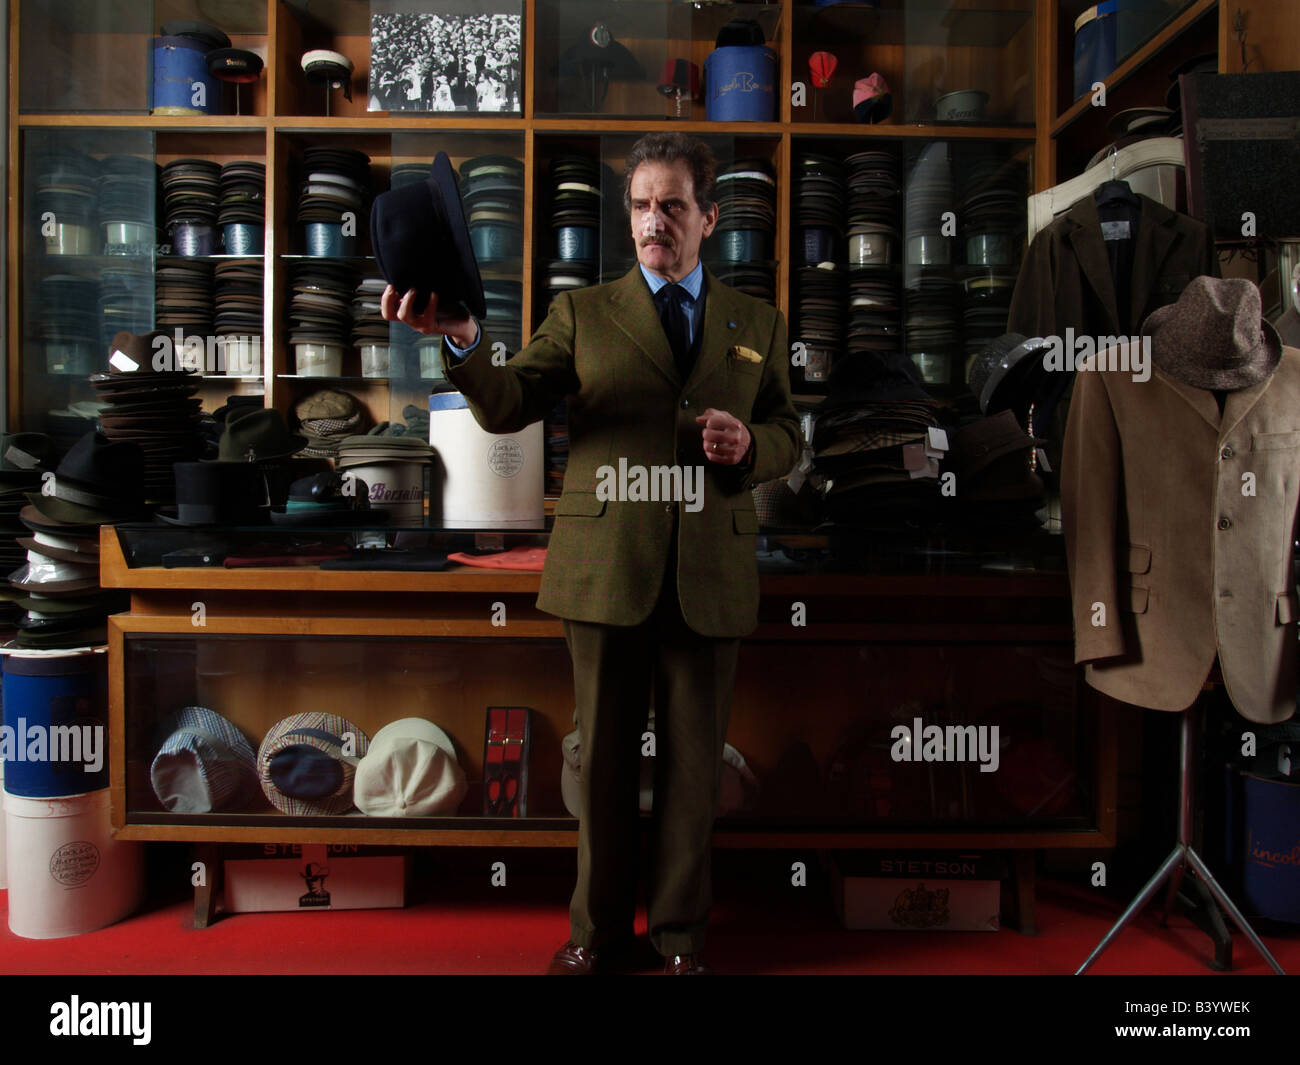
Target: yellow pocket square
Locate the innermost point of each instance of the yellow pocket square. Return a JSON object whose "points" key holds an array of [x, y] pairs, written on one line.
{"points": [[744, 354]]}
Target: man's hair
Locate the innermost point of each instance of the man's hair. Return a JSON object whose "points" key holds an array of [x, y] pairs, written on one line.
{"points": [[669, 148]]}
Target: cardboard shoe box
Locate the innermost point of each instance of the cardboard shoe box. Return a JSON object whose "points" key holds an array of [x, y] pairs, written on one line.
{"points": [[915, 891], [314, 877]]}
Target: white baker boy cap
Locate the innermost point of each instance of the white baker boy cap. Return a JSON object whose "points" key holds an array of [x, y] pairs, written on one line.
{"points": [[410, 770]]}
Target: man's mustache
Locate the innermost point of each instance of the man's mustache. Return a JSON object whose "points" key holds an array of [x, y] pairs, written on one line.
{"points": [[658, 238]]}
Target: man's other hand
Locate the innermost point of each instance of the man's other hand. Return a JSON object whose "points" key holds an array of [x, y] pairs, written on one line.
{"points": [[726, 437]]}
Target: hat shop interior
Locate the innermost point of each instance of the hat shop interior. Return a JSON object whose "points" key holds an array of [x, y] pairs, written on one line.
{"points": [[1043, 309]]}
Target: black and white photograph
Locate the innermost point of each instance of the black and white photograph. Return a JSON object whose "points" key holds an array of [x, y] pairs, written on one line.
{"points": [[461, 61]]}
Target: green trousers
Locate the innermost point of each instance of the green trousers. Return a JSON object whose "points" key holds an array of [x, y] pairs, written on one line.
{"points": [[616, 669]]}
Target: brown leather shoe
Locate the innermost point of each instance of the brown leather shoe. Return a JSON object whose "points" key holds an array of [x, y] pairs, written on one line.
{"points": [[686, 965], [573, 960]]}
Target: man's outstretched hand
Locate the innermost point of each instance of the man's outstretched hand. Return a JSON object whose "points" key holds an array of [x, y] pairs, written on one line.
{"points": [[726, 437], [462, 329]]}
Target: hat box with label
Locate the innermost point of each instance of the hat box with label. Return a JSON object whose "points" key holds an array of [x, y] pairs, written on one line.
{"points": [[181, 83], [397, 487], [740, 84], [1270, 875], [68, 875], [314, 877], [918, 891], [481, 479]]}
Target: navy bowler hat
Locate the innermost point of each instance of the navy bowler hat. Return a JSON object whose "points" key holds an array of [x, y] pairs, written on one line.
{"points": [[421, 241]]}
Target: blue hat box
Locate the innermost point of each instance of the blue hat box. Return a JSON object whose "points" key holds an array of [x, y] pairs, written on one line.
{"points": [[740, 84], [178, 64], [1270, 871], [44, 698]]}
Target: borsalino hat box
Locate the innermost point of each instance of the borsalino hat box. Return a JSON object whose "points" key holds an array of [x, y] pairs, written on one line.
{"points": [[480, 478]]}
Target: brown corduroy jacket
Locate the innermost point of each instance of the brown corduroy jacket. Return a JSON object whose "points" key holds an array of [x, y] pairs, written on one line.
{"points": [[1179, 533], [605, 350]]}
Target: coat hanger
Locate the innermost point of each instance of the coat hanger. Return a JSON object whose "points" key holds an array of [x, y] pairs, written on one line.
{"points": [[1116, 190]]}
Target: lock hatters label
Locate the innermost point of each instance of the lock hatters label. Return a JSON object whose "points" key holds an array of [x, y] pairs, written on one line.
{"points": [[74, 863], [505, 457]]}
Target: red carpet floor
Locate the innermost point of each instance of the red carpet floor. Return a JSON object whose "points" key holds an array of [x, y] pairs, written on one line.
{"points": [[462, 926]]}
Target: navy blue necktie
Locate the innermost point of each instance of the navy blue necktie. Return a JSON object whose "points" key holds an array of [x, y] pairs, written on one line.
{"points": [[676, 327]]}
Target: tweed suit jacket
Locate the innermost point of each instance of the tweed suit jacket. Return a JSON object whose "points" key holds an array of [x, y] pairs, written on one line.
{"points": [[1188, 555], [604, 350]]}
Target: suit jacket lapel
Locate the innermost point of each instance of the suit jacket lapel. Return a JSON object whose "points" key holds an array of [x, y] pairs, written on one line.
{"points": [[1154, 240], [1198, 399], [1239, 404], [716, 342], [632, 309], [1090, 250]]}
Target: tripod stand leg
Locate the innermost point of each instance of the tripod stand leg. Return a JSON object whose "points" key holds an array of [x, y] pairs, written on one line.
{"points": [[1174, 861], [1172, 894], [1203, 871]]}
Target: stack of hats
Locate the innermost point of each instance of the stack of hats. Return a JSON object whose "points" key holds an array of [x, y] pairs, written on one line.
{"points": [[505, 311], [184, 297], [327, 418], [302, 766], [337, 183], [204, 764], [191, 194], [991, 206], [575, 217], [933, 331], [242, 214], [126, 298], [99, 482], [65, 187], [410, 770], [239, 317], [68, 324], [259, 435], [576, 206], [128, 203], [746, 197], [22, 463], [820, 298], [870, 443], [154, 410], [369, 329], [929, 196], [874, 194], [492, 191], [993, 459], [320, 311]]}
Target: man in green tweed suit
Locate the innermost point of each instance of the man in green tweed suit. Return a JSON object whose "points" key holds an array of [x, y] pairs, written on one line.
{"points": [[678, 398]]}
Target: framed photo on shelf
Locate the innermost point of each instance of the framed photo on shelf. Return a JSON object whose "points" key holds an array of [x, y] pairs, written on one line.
{"points": [[447, 56]]}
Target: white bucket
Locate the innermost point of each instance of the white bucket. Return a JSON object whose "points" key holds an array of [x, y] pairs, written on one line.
{"points": [[395, 487], [483, 480], [68, 874]]}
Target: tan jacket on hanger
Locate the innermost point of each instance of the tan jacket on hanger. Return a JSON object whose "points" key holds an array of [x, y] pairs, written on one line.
{"points": [[1065, 279], [1175, 554]]}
